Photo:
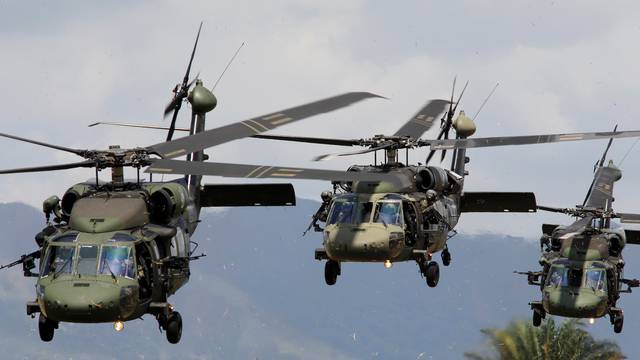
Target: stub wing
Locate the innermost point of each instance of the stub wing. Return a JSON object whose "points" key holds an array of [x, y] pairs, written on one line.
{"points": [[498, 202], [247, 195]]}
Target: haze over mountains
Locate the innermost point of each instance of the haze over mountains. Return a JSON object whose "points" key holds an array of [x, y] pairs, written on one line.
{"points": [[259, 294]]}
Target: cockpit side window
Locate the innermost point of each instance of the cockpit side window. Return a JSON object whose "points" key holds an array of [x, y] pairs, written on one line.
{"points": [[59, 260], [117, 261], [388, 213], [342, 212], [595, 280]]}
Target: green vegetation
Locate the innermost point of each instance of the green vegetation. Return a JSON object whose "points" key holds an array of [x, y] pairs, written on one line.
{"points": [[520, 340]]}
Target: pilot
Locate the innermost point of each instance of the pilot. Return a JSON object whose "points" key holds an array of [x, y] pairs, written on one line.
{"points": [[388, 213]]}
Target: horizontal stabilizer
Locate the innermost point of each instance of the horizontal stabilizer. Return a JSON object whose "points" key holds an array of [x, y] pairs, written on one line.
{"points": [[633, 236], [629, 218], [547, 229], [498, 202], [248, 195]]}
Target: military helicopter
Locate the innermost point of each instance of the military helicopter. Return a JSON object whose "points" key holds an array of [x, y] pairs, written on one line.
{"points": [[414, 217], [582, 264], [114, 251]]}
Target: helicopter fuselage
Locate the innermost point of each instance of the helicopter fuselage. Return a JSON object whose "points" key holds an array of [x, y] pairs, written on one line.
{"points": [[582, 274], [117, 254], [379, 222]]}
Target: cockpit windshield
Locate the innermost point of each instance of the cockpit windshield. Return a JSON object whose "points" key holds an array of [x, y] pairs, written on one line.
{"points": [[83, 260], [117, 261], [557, 277], [596, 280], [388, 213], [342, 211], [87, 260], [59, 260]]}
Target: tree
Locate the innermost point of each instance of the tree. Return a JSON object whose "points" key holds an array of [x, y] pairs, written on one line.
{"points": [[520, 340]]}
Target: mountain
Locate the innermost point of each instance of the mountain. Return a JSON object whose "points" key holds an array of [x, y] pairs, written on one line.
{"points": [[259, 294]]}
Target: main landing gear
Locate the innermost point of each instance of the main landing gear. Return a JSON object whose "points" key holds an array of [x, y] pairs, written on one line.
{"points": [[538, 313], [331, 272], [617, 319], [430, 270], [172, 325], [446, 256], [46, 328]]}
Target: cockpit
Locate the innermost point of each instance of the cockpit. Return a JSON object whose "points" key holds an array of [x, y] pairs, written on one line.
{"points": [[349, 209], [594, 278], [65, 256]]}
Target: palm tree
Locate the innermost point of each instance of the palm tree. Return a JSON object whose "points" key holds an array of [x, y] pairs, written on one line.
{"points": [[570, 341]]}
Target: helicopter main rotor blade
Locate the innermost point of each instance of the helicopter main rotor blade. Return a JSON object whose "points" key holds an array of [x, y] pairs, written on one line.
{"points": [[51, 146], [310, 140], [86, 163], [365, 151], [140, 126], [629, 218], [554, 209], [250, 127], [259, 172], [524, 140], [423, 120]]}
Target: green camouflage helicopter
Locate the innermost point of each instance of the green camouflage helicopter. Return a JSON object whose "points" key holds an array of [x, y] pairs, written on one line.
{"points": [[413, 217], [112, 252], [582, 264]]}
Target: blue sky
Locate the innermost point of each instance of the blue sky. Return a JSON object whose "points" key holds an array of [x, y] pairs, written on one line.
{"points": [[562, 66]]}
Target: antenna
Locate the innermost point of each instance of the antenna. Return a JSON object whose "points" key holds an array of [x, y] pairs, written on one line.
{"points": [[628, 151], [228, 65], [485, 101]]}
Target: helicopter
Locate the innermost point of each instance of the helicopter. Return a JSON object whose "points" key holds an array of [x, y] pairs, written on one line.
{"points": [[414, 217], [582, 264], [115, 251]]}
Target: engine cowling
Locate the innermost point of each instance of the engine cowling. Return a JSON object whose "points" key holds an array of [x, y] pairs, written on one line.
{"points": [[72, 195], [432, 178], [167, 201]]}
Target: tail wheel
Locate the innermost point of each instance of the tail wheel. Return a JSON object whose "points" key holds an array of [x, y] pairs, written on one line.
{"points": [[174, 327], [618, 323], [537, 318], [331, 272], [432, 273], [46, 328]]}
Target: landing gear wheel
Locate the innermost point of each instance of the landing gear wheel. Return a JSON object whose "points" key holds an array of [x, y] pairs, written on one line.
{"points": [[174, 327], [446, 257], [46, 328], [331, 272], [618, 323], [432, 273], [537, 318]]}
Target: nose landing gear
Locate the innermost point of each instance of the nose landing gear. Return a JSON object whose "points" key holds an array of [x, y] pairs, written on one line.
{"points": [[172, 325]]}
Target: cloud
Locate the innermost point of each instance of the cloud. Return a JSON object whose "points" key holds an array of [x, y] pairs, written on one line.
{"points": [[561, 67]]}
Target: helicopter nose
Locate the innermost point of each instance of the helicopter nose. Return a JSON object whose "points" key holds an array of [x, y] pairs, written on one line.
{"points": [[82, 301], [578, 303], [363, 243]]}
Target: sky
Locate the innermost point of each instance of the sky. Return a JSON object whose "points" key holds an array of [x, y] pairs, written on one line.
{"points": [[562, 66]]}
